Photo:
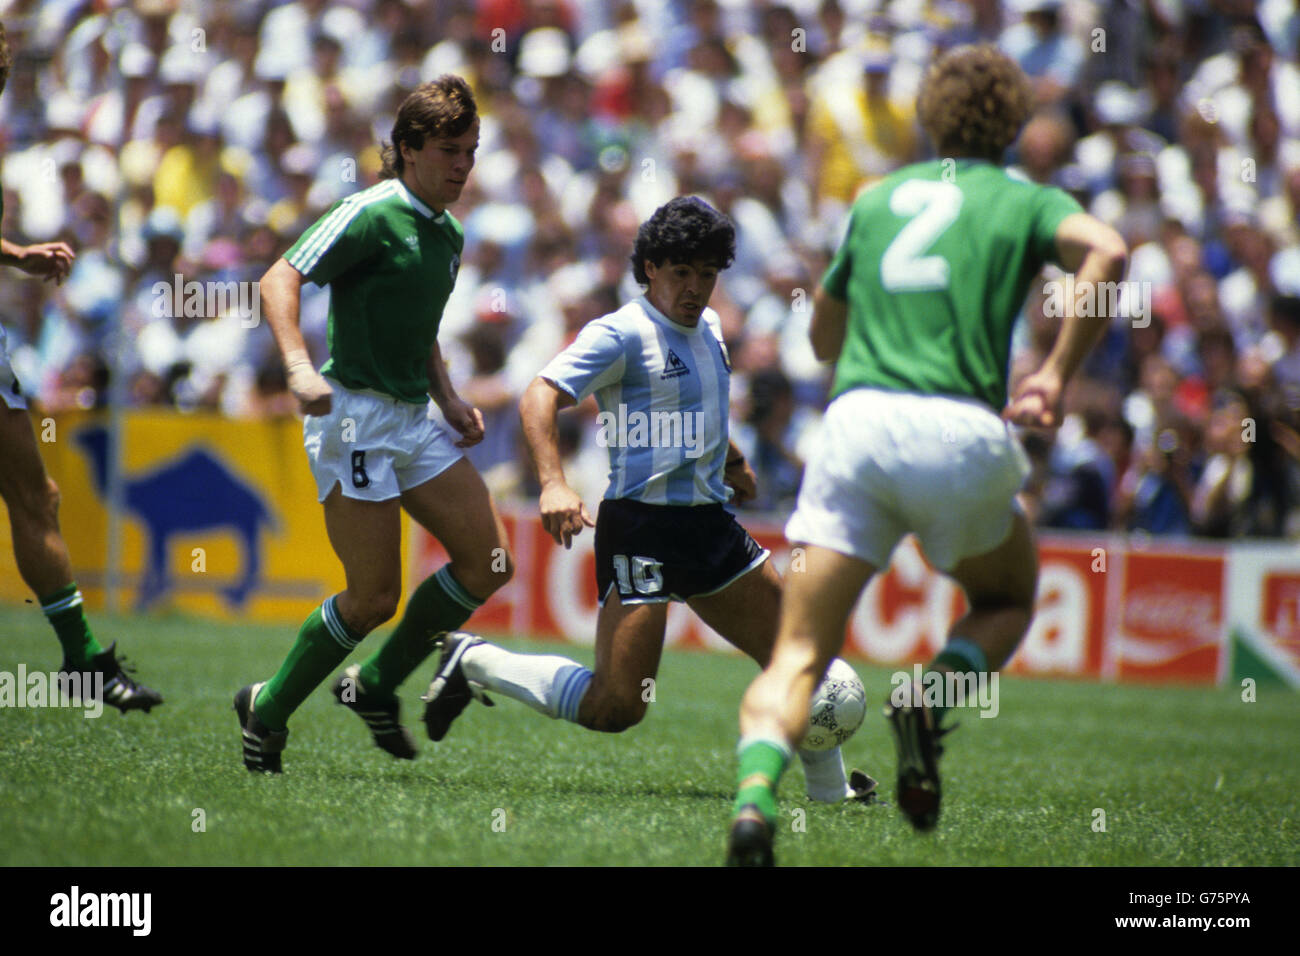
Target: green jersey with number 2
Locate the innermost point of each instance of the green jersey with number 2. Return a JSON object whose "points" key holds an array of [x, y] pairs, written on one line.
{"points": [[935, 267]]}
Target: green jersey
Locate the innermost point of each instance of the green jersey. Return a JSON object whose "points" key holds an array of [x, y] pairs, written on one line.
{"points": [[390, 263], [935, 267]]}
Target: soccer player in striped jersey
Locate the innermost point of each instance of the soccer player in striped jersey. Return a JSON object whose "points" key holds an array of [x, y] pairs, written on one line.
{"points": [[390, 255], [660, 373], [917, 308], [32, 498]]}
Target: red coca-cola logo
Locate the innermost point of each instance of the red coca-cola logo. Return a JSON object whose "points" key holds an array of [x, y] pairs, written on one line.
{"points": [[1172, 611], [1281, 610]]}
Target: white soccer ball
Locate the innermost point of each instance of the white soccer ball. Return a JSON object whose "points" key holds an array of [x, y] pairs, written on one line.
{"points": [[838, 706]]}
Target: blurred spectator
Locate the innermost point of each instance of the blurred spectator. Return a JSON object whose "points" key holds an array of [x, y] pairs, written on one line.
{"points": [[766, 439], [1081, 475], [856, 132], [1227, 483], [1156, 492], [1051, 57]]}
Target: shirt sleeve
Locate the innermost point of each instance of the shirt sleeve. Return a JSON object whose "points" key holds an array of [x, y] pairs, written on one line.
{"points": [[1053, 206], [333, 244], [594, 360]]}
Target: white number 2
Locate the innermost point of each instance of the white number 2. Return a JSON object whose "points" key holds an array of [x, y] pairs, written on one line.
{"points": [[932, 208]]}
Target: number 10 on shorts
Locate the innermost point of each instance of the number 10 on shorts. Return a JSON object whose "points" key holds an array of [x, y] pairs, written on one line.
{"points": [[638, 576]]}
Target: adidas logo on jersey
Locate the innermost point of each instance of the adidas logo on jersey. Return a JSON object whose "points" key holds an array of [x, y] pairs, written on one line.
{"points": [[413, 241], [674, 367]]}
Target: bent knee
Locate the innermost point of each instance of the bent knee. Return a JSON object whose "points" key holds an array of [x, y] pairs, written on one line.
{"points": [[1009, 615], [1015, 599], [613, 715], [485, 576], [373, 609]]}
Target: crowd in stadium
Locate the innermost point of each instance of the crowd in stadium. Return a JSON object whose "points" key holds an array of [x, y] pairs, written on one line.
{"points": [[167, 138]]}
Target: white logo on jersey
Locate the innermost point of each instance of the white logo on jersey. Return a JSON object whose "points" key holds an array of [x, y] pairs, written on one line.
{"points": [[413, 241], [455, 266]]}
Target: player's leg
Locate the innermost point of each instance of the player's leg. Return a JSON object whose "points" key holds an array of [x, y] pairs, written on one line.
{"points": [[32, 500], [456, 508], [629, 645], [612, 698], [963, 456], [366, 536], [774, 711], [1000, 586], [746, 613]]}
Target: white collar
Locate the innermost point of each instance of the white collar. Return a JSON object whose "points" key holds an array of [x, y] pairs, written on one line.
{"points": [[416, 202], [660, 317]]}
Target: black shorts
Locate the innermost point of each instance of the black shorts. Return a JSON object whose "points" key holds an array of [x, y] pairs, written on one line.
{"points": [[659, 553]]}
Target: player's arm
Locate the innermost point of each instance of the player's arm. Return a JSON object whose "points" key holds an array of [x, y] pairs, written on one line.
{"points": [[280, 292], [1094, 252], [739, 475], [563, 513], [460, 414], [49, 260], [829, 321]]}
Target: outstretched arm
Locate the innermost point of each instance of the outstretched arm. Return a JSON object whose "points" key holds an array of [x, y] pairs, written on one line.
{"points": [[1094, 252], [563, 513]]}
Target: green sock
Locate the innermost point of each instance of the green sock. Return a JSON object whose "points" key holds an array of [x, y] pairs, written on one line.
{"points": [[438, 604], [64, 611], [960, 656], [761, 764], [324, 641]]}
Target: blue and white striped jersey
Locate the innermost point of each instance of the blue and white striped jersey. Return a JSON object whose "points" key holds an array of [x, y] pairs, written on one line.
{"points": [[662, 389]]}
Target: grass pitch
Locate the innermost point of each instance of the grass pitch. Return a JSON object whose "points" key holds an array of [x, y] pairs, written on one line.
{"points": [[1184, 777]]}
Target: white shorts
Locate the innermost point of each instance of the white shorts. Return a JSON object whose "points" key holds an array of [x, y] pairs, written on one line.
{"points": [[374, 446], [10, 393], [888, 463]]}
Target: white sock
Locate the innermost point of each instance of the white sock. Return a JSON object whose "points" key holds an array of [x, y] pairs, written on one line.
{"points": [[823, 772], [545, 682]]}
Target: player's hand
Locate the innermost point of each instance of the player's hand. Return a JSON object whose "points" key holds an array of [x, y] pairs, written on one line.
{"points": [[466, 419], [309, 387], [742, 480], [563, 513], [49, 260], [1037, 401]]}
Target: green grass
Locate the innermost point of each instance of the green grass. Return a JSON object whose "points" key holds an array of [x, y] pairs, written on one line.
{"points": [[1185, 777]]}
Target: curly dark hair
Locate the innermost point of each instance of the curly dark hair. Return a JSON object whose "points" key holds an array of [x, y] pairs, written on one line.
{"points": [[973, 102], [683, 230], [5, 61], [443, 107]]}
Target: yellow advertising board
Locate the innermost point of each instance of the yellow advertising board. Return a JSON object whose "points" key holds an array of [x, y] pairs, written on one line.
{"points": [[219, 517]]}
